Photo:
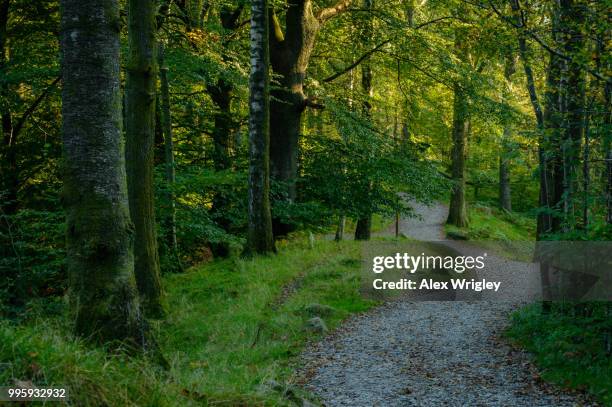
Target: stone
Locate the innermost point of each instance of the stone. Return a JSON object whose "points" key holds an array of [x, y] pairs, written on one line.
{"points": [[316, 325]]}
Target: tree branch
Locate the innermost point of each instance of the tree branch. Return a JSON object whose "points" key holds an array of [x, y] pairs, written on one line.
{"points": [[312, 103], [327, 13], [357, 62], [33, 107], [547, 47]]}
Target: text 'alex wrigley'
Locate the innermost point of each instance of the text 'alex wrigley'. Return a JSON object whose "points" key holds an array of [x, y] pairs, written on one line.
{"points": [[429, 284]]}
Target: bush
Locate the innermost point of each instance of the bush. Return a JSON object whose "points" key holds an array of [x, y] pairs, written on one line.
{"points": [[32, 250]]}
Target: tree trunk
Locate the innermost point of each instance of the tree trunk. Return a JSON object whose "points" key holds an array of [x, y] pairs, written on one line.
{"points": [[363, 231], [608, 150], [544, 221], [573, 22], [290, 55], [99, 245], [9, 171], [140, 88], [505, 197], [259, 239], [340, 229], [221, 94], [166, 121], [457, 213]]}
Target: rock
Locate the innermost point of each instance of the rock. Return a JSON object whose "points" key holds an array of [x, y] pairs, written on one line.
{"points": [[274, 385], [316, 325], [319, 310], [308, 403]]}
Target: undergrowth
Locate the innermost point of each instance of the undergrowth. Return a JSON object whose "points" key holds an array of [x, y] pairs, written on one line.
{"points": [[568, 346], [232, 334]]}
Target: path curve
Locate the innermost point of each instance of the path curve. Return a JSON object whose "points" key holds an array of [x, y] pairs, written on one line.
{"points": [[427, 353]]}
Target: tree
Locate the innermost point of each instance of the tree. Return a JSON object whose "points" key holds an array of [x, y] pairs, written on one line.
{"points": [[259, 238], [221, 93], [544, 219], [505, 193], [363, 229], [100, 257], [457, 212], [166, 124], [290, 56], [141, 86]]}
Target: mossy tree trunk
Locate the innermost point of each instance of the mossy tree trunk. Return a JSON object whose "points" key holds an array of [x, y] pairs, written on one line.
{"points": [[260, 238], [141, 86], [99, 243]]}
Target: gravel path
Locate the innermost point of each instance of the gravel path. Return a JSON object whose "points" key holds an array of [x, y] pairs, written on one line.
{"points": [[427, 353]]}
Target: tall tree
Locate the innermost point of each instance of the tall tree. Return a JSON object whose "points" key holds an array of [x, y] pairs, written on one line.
{"points": [[457, 213], [573, 15], [505, 193], [99, 243], [520, 22], [363, 229], [221, 93], [166, 124], [564, 113], [260, 238], [8, 168], [290, 56], [141, 88]]}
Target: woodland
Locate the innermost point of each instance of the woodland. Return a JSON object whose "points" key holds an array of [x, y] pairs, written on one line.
{"points": [[153, 153]]}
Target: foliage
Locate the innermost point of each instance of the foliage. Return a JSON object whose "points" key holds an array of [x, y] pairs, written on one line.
{"points": [[360, 171], [31, 258], [568, 345]]}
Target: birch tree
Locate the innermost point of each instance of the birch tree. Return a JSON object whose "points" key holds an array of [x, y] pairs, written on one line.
{"points": [[259, 239]]}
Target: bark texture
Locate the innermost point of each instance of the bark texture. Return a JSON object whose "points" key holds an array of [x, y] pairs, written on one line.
{"points": [[100, 258], [260, 238], [141, 84]]}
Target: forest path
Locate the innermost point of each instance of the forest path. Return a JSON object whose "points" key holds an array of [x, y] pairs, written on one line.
{"points": [[441, 353]]}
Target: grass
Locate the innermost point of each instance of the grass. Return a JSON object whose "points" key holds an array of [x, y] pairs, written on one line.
{"points": [[568, 347], [507, 233], [233, 326]]}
